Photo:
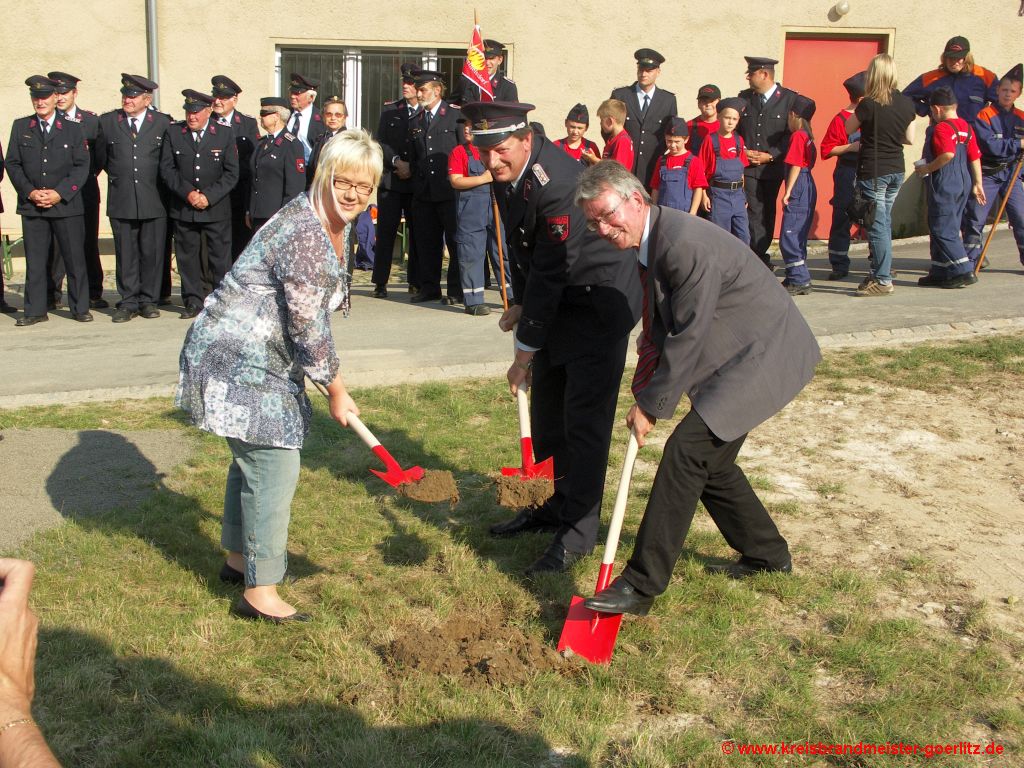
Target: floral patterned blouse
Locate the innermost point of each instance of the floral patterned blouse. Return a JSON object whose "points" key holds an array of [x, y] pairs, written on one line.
{"points": [[263, 330]]}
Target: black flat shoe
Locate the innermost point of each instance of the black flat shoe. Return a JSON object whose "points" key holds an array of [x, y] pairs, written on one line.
{"points": [[230, 576], [379, 292], [556, 559], [189, 312], [123, 315], [98, 304], [745, 567], [24, 322], [244, 609], [84, 317], [527, 520], [419, 297], [620, 597], [149, 311]]}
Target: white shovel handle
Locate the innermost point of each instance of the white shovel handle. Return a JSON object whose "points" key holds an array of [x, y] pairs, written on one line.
{"points": [[619, 510], [353, 421], [524, 412]]}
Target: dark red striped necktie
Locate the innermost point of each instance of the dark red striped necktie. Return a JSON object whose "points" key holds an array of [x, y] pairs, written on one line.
{"points": [[648, 354]]}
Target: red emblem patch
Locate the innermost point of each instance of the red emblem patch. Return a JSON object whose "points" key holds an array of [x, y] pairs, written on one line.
{"points": [[300, 165], [558, 228]]}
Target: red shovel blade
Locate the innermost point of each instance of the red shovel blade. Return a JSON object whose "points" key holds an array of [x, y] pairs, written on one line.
{"points": [[395, 475], [530, 470], [588, 633]]}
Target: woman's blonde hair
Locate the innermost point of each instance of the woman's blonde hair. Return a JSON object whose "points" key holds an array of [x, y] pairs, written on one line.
{"points": [[968, 63], [352, 150], [881, 79]]}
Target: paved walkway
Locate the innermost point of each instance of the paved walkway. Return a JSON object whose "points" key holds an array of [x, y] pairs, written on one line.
{"points": [[393, 341]]}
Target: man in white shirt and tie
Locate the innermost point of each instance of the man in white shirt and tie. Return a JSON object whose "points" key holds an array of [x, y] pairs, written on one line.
{"points": [[306, 122], [649, 110]]}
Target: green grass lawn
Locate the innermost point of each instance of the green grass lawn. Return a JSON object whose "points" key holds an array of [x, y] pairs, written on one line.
{"points": [[140, 663]]}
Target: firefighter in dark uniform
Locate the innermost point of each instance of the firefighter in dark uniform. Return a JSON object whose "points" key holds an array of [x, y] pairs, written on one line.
{"points": [[764, 127], [434, 132], [576, 300], [278, 170], [134, 137], [648, 112], [394, 195], [48, 164], [306, 122], [247, 135], [199, 165], [5, 308], [67, 94], [503, 88]]}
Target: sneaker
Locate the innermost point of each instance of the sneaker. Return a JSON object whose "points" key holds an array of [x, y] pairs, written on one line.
{"points": [[872, 287], [796, 289], [838, 274], [478, 310], [380, 292], [937, 281]]}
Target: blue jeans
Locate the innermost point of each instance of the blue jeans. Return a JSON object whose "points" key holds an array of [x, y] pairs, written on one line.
{"points": [[883, 190], [257, 507]]}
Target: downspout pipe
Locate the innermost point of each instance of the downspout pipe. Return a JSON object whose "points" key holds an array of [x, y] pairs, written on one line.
{"points": [[152, 53]]}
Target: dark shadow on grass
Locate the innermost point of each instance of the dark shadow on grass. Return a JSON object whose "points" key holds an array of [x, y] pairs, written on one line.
{"points": [[106, 484], [98, 708]]}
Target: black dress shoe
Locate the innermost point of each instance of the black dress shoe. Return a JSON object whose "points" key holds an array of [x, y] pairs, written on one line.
{"points": [[450, 301], [244, 609], [745, 567], [230, 576], [165, 301], [421, 296], [838, 274], [98, 304], [620, 597], [149, 311], [379, 292], [478, 310], [6, 308], [556, 559], [527, 520], [85, 317], [24, 322], [189, 312], [122, 315]]}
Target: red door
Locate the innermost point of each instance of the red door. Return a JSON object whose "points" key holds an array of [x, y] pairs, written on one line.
{"points": [[816, 67]]}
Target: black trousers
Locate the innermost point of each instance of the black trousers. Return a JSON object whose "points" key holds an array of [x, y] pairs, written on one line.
{"points": [[40, 235], [188, 237], [165, 270], [240, 234], [762, 197], [572, 412], [390, 208], [90, 246], [696, 465], [434, 225], [139, 247]]}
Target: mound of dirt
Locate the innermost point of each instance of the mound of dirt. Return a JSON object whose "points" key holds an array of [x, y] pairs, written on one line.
{"points": [[475, 649], [435, 485], [515, 493]]}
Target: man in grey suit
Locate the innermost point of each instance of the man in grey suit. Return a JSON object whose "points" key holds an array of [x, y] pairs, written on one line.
{"points": [[649, 110], [720, 329]]}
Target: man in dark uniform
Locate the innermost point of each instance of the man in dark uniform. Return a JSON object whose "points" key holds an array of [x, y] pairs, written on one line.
{"points": [[199, 165], [335, 115], [67, 94], [394, 195], [576, 300], [5, 308], [134, 137], [764, 127], [503, 88], [648, 111], [48, 164], [278, 168], [247, 135], [434, 133], [306, 123]]}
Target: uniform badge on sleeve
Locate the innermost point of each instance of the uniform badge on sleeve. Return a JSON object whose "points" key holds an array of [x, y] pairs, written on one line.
{"points": [[558, 228], [540, 174], [300, 165]]}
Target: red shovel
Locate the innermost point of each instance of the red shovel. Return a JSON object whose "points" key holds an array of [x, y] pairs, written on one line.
{"points": [[529, 470], [394, 475], [588, 633]]}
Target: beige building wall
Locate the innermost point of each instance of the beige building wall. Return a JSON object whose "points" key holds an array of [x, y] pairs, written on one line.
{"points": [[557, 56]]}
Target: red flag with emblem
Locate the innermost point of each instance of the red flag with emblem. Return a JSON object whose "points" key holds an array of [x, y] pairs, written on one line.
{"points": [[475, 68]]}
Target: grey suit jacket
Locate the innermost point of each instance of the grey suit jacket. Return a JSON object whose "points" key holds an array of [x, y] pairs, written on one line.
{"points": [[730, 336]]}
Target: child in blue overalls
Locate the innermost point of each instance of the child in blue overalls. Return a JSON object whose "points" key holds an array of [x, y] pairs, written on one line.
{"points": [[800, 197], [474, 233], [678, 179], [952, 171], [845, 148], [724, 158]]}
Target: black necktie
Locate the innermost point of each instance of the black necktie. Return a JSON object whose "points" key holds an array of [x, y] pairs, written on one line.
{"points": [[427, 117], [647, 102], [294, 130], [45, 128], [135, 127]]}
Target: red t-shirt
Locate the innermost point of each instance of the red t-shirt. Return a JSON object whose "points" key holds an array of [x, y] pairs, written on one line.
{"points": [[620, 148], [702, 129], [949, 133], [731, 147], [801, 150], [458, 159], [577, 153], [836, 135], [695, 177]]}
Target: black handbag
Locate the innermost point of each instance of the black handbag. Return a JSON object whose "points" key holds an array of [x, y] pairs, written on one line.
{"points": [[861, 210]]}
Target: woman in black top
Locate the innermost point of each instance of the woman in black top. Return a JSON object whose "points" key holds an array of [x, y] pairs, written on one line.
{"points": [[885, 119]]}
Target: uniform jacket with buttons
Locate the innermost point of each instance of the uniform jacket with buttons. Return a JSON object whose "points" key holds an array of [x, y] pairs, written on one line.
{"points": [[133, 165], [247, 137], [93, 132], [766, 129], [430, 150], [278, 173], [393, 135], [730, 336], [211, 167], [503, 88], [61, 163], [578, 291], [647, 131]]}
